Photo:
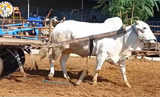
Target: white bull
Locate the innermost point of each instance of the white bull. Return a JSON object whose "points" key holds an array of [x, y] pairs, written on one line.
{"points": [[115, 49]]}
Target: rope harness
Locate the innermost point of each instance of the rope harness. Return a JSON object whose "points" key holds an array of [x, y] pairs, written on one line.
{"points": [[91, 39]]}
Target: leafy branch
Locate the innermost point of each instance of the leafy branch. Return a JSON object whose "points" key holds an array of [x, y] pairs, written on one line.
{"points": [[129, 10]]}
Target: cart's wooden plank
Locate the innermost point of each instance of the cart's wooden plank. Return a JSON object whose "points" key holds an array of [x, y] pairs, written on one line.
{"points": [[19, 42], [145, 53], [98, 36]]}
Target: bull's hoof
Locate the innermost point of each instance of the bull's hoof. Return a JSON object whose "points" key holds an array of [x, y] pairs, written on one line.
{"points": [[25, 75], [128, 85], [66, 77], [36, 67], [50, 77], [78, 82], [94, 83]]}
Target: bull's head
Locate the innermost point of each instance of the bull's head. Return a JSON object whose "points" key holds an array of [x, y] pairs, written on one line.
{"points": [[144, 32]]}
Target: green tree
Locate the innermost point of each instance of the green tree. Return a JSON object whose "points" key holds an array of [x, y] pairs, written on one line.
{"points": [[129, 10]]}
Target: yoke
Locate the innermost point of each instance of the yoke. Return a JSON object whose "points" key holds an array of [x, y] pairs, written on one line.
{"points": [[151, 49]]}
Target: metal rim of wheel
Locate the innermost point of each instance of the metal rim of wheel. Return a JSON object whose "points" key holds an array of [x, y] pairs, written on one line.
{"points": [[1, 66]]}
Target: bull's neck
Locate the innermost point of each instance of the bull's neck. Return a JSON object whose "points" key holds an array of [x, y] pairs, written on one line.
{"points": [[131, 41]]}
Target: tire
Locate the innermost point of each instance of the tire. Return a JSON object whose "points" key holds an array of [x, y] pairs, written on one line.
{"points": [[10, 64], [1, 67]]}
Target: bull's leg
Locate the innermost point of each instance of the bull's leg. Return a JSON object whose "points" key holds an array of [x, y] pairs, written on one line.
{"points": [[82, 76], [63, 61], [34, 63], [84, 73], [51, 62], [100, 60], [22, 70], [123, 71], [51, 73]]}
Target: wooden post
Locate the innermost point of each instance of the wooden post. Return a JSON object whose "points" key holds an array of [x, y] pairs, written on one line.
{"points": [[50, 28]]}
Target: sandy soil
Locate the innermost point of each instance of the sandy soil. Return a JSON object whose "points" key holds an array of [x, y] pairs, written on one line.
{"points": [[143, 75]]}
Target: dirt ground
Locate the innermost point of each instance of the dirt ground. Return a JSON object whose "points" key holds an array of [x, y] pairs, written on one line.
{"points": [[143, 75]]}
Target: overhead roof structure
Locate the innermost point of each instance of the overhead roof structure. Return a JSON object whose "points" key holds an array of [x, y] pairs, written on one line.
{"points": [[55, 3]]}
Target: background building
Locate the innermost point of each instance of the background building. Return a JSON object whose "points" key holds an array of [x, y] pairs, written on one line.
{"points": [[72, 9]]}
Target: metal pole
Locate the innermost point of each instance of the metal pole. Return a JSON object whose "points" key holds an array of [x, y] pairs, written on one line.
{"points": [[37, 12], [28, 8], [82, 6]]}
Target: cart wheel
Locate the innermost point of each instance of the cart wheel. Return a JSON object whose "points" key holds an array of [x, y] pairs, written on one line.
{"points": [[8, 63], [1, 66], [22, 55]]}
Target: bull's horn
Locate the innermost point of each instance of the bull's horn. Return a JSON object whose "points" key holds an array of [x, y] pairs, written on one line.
{"points": [[136, 22], [124, 26]]}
